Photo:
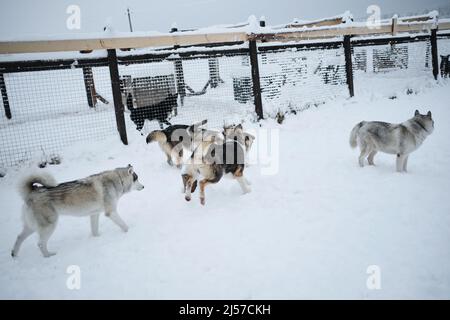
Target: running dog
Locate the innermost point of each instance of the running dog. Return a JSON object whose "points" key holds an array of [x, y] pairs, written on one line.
{"points": [[399, 139], [176, 138], [45, 199], [237, 133], [212, 160]]}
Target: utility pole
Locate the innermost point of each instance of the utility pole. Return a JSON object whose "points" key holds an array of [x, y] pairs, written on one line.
{"points": [[129, 19]]}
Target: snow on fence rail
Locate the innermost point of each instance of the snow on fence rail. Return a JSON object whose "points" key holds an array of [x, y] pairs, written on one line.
{"points": [[52, 103]]}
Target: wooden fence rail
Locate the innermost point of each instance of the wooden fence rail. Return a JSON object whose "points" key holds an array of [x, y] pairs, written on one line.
{"points": [[194, 38]]}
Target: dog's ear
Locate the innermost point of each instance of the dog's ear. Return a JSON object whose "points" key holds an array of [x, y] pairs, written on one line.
{"points": [[416, 113], [249, 136], [249, 139], [238, 127], [429, 114]]}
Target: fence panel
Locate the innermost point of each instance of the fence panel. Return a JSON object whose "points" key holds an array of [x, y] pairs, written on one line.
{"points": [[48, 105], [407, 65], [184, 90], [295, 78], [50, 111]]}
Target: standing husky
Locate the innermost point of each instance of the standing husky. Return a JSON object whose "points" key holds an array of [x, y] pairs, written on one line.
{"points": [[45, 200], [214, 159], [400, 139]]}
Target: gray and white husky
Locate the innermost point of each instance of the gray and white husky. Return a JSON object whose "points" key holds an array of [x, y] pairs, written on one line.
{"points": [[399, 139], [45, 199]]}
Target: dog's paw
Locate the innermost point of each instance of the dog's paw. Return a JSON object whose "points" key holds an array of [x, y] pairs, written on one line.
{"points": [[125, 229], [187, 198], [96, 234], [49, 254], [13, 254], [202, 201]]}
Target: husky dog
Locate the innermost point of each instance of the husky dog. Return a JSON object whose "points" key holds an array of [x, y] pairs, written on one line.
{"points": [[45, 199], [212, 160], [400, 139], [176, 138], [237, 133]]}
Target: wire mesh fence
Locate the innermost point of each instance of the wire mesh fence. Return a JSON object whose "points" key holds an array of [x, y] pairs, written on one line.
{"points": [[183, 90], [296, 78], [49, 105], [49, 110], [406, 65]]}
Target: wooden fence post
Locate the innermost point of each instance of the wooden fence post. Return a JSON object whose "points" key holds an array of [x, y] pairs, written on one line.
{"points": [[4, 94], [256, 79], [348, 64], [117, 95], [434, 53]]}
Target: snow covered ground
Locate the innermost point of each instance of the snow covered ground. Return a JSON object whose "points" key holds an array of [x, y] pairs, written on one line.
{"points": [[310, 230]]}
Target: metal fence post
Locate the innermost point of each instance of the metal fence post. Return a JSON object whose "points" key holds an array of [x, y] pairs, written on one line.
{"points": [[214, 74], [179, 75], [5, 97], [434, 53], [117, 96], [89, 85], [348, 64], [255, 79]]}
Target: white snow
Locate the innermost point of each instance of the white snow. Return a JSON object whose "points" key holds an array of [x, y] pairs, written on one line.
{"points": [[309, 231]]}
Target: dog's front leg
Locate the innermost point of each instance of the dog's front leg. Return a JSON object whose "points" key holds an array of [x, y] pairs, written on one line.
{"points": [[405, 163], [203, 184], [188, 189], [400, 162], [94, 225], [243, 183], [114, 216]]}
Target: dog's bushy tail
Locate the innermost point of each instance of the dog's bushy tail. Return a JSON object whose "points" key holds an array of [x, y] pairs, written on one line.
{"points": [[354, 134], [156, 135], [26, 186]]}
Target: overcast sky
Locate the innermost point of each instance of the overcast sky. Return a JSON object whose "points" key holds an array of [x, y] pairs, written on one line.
{"points": [[25, 17]]}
